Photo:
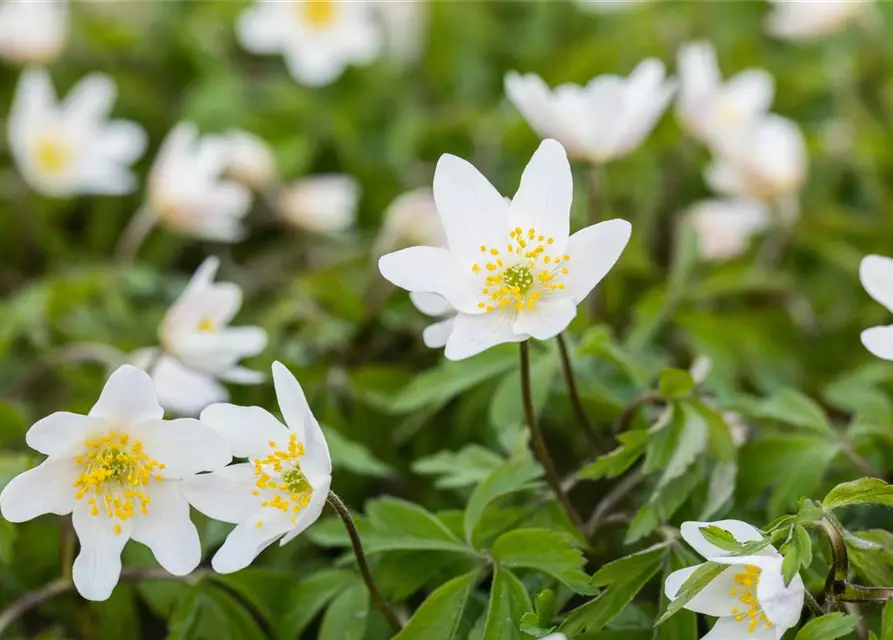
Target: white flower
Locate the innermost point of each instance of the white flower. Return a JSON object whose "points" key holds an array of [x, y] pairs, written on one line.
{"points": [[33, 32], [70, 148], [706, 104], [750, 597], [807, 19], [283, 487], [250, 160], [180, 390], [186, 191], [608, 6], [764, 160], [318, 38], [605, 120], [196, 333], [511, 269], [117, 470], [321, 204], [435, 306], [724, 227], [876, 274], [405, 23], [411, 219]]}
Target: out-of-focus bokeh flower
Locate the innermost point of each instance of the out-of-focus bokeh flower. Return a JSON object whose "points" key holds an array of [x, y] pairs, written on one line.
{"points": [[707, 106], [186, 191], [250, 160], [608, 6], [808, 19], [71, 148], [180, 390], [765, 160], [724, 227], [33, 32], [318, 38], [605, 120], [876, 274], [411, 219], [435, 335], [405, 25], [321, 204]]}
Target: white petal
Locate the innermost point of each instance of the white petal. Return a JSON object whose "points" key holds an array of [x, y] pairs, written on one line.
{"points": [[715, 599], [167, 530], [751, 91], [698, 73], [742, 532], [430, 304], [248, 539], [61, 433], [185, 446], [594, 251], [314, 67], [218, 351], [260, 29], [98, 565], [879, 341], [34, 99], [183, 390], [547, 319], [225, 494], [543, 201], [91, 100], [473, 334], [730, 629], [437, 335], [316, 463], [128, 396], [47, 488], [247, 430], [876, 274], [433, 270], [311, 512], [122, 141], [472, 211], [243, 375]]}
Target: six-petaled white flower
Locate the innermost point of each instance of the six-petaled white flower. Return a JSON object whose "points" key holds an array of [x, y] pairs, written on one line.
{"points": [[117, 470], [511, 270], [321, 204], [808, 19], [318, 38], [707, 105], [410, 219], [876, 274], [33, 32], [70, 148], [283, 487], [250, 160], [750, 597], [186, 191], [605, 120], [724, 227]]}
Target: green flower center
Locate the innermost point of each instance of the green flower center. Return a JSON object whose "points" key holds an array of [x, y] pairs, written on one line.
{"points": [[518, 276]]}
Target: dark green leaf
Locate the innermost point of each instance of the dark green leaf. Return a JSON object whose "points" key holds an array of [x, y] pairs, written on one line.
{"points": [[544, 551], [509, 601], [400, 525], [828, 627], [516, 474], [616, 462], [440, 615]]}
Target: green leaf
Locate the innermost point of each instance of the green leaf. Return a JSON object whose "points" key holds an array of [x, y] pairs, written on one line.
{"points": [[620, 570], [720, 538], [509, 601], [545, 605], [354, 456], [663, 504], [345, 619], [543, 551], [828, 627], [516, 474], [398, 525], [720, 490], [440, 616], [675, 383], [616, 462], [804, 543], [887, 621], [871, 555], [863, 491], [683, 625], [696, 582], [690, 442], [464, 468], [793, 408], [722, 447], [307, 598]]}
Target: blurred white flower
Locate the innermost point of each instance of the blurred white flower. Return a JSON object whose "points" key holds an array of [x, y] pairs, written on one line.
{"points": [[318, 38], [807, 19], [405, 24], [33, 32], [605, 120], [435, 306], [411, 219], [765, 160], [724, 227], [186, 191], [876, 274], [554, 636], [117, 470], [283, 487], [512, 269], [750, 597], [180, 390], [321, 204], [71, 148], [707, 105], [608, 6], [250, 160]]}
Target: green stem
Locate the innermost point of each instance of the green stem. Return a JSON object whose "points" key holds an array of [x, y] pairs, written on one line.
{"points": [[858, 593], [840, 564], [567, 367]]}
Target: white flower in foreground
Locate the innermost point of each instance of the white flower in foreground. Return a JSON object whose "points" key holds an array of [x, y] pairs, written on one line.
{"points": [[764, 160], [707, 105], [511, 269], [186, 191], [435, 306], [405, 23], [250, 160], [71, 148], [876, 274], [750, 597], [283, 487], [321, 204], [724, 227], [318, 38], [605, 120], [410, 219], [117, 470], [807, 19], [33, 32]]}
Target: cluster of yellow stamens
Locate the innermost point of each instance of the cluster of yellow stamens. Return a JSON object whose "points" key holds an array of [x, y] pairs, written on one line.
{"points": [[528, 271], [749, 579], [318, 13], [207, 324], [281, 472], [117, 472], [52, 155]]}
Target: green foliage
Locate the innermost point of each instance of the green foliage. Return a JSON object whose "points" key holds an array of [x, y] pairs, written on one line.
{"points": [[863, 491], [828, 627]]}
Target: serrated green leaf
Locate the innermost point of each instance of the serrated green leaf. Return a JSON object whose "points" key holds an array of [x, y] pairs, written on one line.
{"points": [[828, 627], [440, 615], [720, 537], [545, 551], [616, 462], [675, 383], [691, 442], [516, 474], [862, 491], [804, 544], [619, 570], [509, 601], [398, 525], [463, 468], [793, 408]]}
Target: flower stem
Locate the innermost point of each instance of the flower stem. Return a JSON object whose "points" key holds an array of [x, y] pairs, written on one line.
{"points": [[858, 593], [591, 433], [840, 564], [136, 232], [813, 604], [383, 606], [539, 444]]}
